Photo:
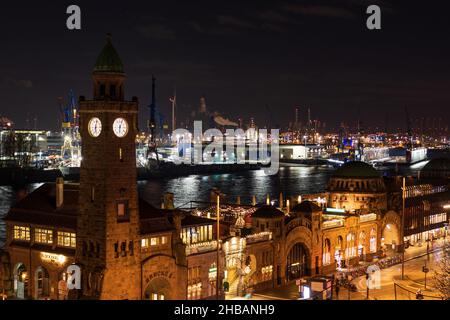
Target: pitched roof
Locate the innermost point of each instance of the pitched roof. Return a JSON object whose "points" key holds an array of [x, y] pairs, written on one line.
{"points": [[267, 212], [39, 207], [306, 207], [356, 169], [108, 59]]}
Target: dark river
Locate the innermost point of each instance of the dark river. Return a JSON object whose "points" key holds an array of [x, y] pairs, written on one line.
{"points": [[292, 181]]}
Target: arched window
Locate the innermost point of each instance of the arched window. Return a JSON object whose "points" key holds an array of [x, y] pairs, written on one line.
{"points": [[373, 241], [350, 251], [326, 252], [338, 251], [362, 243]]}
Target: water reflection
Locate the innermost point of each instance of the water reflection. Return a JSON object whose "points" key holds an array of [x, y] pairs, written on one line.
{"points": [[290, 181]]}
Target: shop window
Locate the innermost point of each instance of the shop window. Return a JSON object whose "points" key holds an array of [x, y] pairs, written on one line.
{"points": [[157, 296]]}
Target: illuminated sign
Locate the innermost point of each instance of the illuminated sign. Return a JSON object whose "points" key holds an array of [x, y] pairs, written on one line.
{"points": [[367, 217], [332, 224], [335, 210], [212, 273], [53, 258]]}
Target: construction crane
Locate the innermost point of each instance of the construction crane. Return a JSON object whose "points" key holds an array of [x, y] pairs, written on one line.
{"points": [[70, 151]]}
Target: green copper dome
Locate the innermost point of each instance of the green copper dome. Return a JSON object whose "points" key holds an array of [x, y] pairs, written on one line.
{"points": [[108, 60], [356, 169]]}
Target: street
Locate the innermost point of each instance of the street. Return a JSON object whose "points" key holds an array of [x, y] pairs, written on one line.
{"points": [[415, 259]]}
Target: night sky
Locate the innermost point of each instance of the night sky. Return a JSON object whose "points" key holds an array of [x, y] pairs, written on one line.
{"points": [[249, 58]]}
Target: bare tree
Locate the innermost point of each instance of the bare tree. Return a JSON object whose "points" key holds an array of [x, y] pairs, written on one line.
{"points": [[442, 275]]}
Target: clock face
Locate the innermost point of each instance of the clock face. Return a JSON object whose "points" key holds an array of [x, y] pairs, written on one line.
{"points": [[95, 127], [120, 127]]}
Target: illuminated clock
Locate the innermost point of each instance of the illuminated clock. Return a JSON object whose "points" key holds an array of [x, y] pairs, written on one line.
{"points": [[95, 127], [120, 127]]}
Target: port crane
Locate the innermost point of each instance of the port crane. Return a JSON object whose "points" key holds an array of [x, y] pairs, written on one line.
{"points": [[70, 150]]}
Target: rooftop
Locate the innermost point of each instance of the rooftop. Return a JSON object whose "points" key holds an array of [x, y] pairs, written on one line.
{"points": [[267, 212], [356, 169], [108, 60]]}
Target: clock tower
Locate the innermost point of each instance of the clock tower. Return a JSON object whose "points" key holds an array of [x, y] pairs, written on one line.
{"points": [[108, 220]]}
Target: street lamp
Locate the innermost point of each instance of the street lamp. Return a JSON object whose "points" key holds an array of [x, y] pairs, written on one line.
{"points": [[403, 226], [367, 284], [218, 284]]}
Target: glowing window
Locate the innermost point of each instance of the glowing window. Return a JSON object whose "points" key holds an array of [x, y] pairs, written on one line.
{"points": [[21, 233], [66, 239], [43, 235]]}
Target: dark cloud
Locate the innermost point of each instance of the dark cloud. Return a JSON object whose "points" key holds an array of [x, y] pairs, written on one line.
{"points": [[19, 83], [157, 31], [274, 16], [320, 10], [235, 22]]}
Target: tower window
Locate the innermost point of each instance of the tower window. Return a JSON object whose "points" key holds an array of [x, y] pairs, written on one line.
{"points": [[92, 194], [131, 248], [91, 249], [84, 251], [123, 248], [102, 90], [116, 250], [112, 91], [97, 250], [120, 155], [122, 211]]}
